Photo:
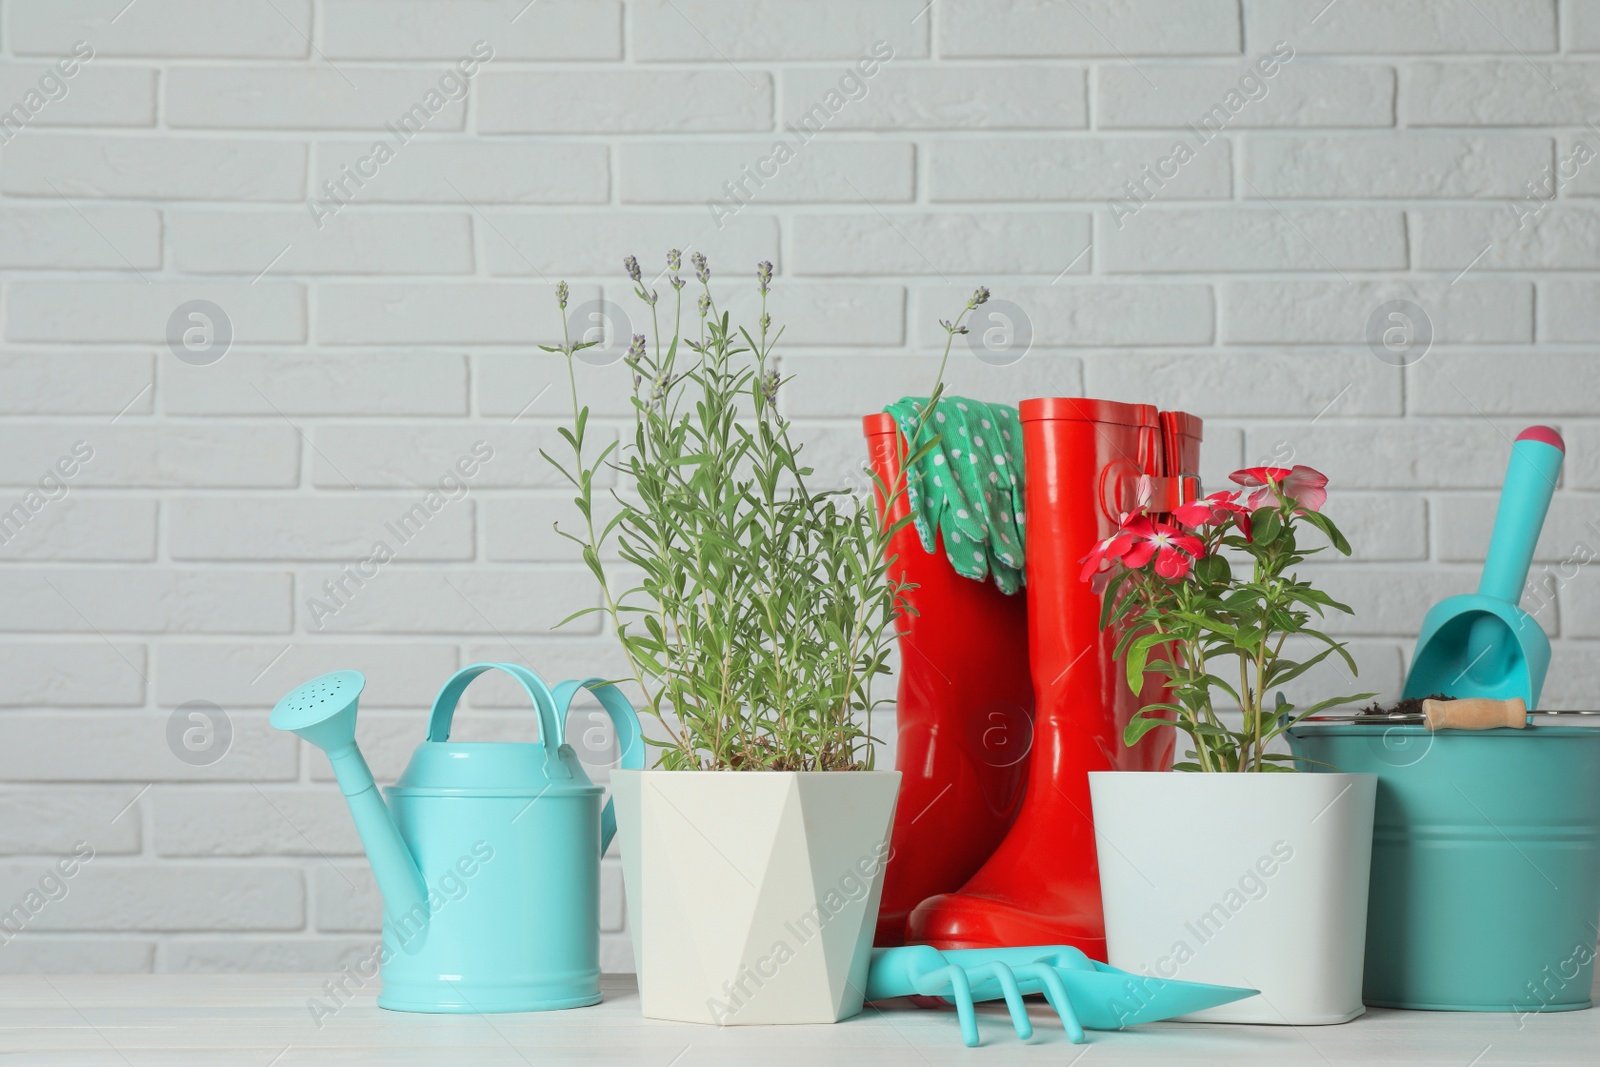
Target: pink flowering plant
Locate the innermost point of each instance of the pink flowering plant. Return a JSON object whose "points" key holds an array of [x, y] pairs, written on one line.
{"points": [[1213, 583]]}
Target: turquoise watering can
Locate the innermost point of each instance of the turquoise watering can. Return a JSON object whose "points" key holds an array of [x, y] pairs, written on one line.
{"points": [[487, 853]]}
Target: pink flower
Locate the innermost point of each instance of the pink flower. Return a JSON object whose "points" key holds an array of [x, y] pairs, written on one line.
{"points": [[1173, 550], [1265, 477], [1303, 485], [1112, 548], [1308, 488], [1215, 509]]}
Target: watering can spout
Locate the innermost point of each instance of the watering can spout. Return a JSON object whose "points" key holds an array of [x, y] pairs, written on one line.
{"points": [[323, 712]]}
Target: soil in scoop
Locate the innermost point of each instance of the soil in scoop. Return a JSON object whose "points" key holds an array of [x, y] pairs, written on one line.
{"points": [[1408, 706]]}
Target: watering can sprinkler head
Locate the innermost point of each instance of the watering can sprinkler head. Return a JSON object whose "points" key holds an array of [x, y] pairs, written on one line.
{"points": [[323, 712]]}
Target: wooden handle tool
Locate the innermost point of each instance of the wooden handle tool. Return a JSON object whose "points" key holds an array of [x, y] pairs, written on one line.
{"points": [[1475, 713]]}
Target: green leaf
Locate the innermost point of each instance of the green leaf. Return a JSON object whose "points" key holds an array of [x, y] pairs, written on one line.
{"points": [[1329, 530], [557, 466], [1140, 725], [1287, 670], [1265, 525], [1138, 653], [1333, 702], [1108, 598], [1207, 623], [1213, 569], [580, 613], [1282, 757], [1214, 682]]}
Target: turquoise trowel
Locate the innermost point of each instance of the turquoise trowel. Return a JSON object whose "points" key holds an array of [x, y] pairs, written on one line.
{"points": [[1482, 644]]}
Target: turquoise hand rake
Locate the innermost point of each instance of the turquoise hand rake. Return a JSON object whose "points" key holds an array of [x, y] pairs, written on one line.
{"points": [[1085, 993]]}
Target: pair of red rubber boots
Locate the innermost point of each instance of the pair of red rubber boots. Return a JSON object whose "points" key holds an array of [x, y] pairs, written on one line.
{"points": [[1006, 703]]}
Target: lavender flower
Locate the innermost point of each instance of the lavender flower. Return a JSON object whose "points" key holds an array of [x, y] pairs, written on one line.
{"points": [[702, 269], [951, 327], [705, 304], [764, 275], [561, 295], [649, 298], [769, 385], [631, 265], [980, 295], [674, 259], [635, 354], [677, 282], [658, 389]]}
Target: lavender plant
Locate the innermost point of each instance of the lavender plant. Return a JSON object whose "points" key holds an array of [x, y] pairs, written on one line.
{"points": [[764, 607]]}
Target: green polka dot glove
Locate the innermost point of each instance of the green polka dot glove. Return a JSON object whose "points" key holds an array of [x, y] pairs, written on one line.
{"points": [[969, 486]]}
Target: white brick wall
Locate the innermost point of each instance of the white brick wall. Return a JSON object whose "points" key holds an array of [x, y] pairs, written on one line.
{"points": [[1389, 158]]}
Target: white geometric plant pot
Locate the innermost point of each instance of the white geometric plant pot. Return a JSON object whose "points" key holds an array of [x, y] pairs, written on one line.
{"points": [[752, 895], [1254, 880]]}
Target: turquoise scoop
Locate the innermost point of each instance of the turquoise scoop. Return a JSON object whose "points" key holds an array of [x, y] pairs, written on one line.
{"points": [[1482, 644]]}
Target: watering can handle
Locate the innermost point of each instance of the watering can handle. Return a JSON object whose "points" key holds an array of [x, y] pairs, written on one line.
{"points": [[629, 737], [444, 705], [1531, 475]]}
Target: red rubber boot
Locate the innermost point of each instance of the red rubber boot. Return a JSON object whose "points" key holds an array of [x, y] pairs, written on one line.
{"points": [[1086, 460], [964, 713]]}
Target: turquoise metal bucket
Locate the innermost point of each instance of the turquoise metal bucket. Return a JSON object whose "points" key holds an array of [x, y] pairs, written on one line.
{"points": [[1485, 892]]}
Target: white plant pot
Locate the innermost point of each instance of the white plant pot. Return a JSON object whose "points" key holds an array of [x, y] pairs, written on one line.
{"points": [[752, 895], [1256, 880]]}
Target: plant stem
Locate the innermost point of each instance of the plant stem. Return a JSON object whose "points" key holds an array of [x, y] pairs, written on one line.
{"points": [[580, 417]]}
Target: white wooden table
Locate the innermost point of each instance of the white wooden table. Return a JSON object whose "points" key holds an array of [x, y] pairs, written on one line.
{"points": [[261, 1020]]}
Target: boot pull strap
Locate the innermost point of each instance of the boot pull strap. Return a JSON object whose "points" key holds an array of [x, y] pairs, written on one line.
{"points": [[1124, 487], [1166, 494]]}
